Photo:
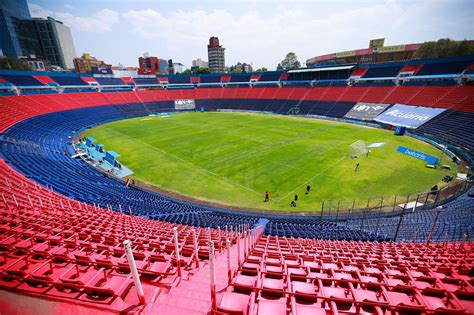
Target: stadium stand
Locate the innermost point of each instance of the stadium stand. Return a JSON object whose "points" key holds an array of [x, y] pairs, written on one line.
{"points": [[283, 276], [109, 81], [454, 220], [270, 76], [210, 78], [55, 248], [21, 80], [444, 68], [67, 80], [382, 71], [451, 127], [177, 79], [244, 78], [146, 80], [21, 142]]}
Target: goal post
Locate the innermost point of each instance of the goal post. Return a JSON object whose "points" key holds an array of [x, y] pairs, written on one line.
{"points": [[357, 149]]}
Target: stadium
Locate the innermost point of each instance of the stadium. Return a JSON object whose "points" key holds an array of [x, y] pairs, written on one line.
{"points": [[337, 188]]}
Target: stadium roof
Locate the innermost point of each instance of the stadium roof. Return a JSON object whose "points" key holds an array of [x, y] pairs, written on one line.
{"points": [[322, 69]]}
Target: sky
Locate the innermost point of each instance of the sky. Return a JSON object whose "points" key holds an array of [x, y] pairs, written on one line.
{"points": [[260, 32]]}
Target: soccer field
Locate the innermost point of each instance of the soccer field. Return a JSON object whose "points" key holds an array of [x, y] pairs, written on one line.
{"points": [[233, 158]]}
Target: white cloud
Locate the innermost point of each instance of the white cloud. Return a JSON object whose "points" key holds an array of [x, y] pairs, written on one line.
{"points": [[101, 22], [265, 37]]}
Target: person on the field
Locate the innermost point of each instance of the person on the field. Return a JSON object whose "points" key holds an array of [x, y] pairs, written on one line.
{"points": [[308, 188], [357, 167], [293, 203], [267, 196], [296, 197]]}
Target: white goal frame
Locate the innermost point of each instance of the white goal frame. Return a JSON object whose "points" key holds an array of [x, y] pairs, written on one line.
{"points": [[358, 149]]}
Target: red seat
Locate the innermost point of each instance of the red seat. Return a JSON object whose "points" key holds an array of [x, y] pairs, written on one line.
{"points": [[105, 286], [266, 307], [250, 269], [303, 309], [244, 283], [236, 303], [308, 291], [369, 296], [156, 269], [403, 301], [273, 287], [75, 278], [466, 299], [274, 271], [297, 274]]}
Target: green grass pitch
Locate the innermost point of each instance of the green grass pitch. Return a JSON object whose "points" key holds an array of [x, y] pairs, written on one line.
{"points": [[233, 158]]}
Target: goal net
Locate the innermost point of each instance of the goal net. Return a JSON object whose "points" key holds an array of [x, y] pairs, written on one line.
{"points": [[357, 149]]}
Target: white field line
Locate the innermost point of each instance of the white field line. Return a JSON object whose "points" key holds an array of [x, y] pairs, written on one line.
{"points": [[271, 145], [187, 162], [309, 180]]}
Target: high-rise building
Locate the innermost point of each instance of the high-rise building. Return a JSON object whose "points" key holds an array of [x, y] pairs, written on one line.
{"points": [[56, 42], [152, 65], [85, 63], [178, 67], [22, 36], [11, 13], [200, 63], [170, 67], [216, 55]]}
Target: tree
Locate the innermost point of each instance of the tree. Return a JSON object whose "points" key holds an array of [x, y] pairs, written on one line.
{"points": [[262, 69], [290, 61], [444, 47], [13, 64], [187, 71], [203, 71]]}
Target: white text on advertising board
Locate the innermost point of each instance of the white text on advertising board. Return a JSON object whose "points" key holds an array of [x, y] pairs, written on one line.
{"points": [[413, 116]]}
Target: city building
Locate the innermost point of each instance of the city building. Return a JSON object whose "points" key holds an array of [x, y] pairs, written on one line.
{"points": [[22, 36], [243, 67], [152, 65], [148, 65], [12, 12], [56, 42], [163, 66], [36, 64], [216, 55], [170, 67], [178, 67], [200, 63], [85, 63]]}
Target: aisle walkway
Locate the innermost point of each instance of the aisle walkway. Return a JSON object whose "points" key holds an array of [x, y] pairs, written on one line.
{"points": [[193, 296]]}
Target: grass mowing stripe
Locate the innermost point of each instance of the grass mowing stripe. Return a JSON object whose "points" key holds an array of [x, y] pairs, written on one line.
{"points": [[233, 158], [185, 161]]}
